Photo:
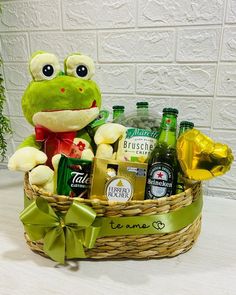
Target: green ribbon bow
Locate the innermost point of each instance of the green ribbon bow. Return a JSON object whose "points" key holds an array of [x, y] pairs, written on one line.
{"points": [[64, 236]]}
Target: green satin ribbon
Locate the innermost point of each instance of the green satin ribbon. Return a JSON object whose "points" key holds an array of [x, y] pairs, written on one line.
{"points": [[63, 236], [153, 224], [66, 236]]}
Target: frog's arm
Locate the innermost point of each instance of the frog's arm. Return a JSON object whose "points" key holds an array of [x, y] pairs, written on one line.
{"points": [[27, 156], [30, 141]]}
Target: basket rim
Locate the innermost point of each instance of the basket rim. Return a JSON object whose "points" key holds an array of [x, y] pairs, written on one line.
{"points": [[160, 201]]}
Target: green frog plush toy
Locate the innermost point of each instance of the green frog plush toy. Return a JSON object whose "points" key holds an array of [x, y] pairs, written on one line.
{"points": [[60, 105]]}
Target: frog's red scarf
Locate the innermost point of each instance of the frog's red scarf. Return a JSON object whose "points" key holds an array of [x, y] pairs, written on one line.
{"points": [[58, 143]]}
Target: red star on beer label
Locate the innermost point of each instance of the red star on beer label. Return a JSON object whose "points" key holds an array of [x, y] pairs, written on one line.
{"points": [[160, 174], [168, 121]]}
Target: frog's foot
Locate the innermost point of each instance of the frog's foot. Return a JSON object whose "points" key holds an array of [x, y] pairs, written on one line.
{"points": [[43, 177], [104, 151], [106, 135]]}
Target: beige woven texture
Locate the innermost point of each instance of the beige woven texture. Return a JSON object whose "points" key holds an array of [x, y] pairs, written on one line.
{"points": [[135, 247]]}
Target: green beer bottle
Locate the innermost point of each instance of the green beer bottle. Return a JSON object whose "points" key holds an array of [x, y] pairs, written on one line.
{"points": [[183, 127], [118, 111], [162, 165]]}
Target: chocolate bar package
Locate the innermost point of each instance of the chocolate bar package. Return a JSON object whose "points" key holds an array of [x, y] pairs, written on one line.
{"points": [[73, 177]]}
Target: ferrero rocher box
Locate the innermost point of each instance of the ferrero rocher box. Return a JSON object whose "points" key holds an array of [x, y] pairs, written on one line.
{"points": [[119, 181]]}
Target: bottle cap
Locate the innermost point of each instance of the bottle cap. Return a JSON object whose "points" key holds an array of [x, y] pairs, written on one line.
{"points": [[170, 111], [117, 107], [142, 104], [186, 124]]}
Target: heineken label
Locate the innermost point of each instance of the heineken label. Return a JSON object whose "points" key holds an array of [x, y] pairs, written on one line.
{"points": [[159, 181]]}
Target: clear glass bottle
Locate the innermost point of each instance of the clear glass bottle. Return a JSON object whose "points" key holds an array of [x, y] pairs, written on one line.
{"points": [[162, 164], [142, 108]]}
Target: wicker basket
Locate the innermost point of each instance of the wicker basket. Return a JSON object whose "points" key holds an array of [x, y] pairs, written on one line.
{"points": [[129, 246]]}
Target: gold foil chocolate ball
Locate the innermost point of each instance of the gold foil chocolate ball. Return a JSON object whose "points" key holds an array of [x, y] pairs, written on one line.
{"points": [[200, 157]]}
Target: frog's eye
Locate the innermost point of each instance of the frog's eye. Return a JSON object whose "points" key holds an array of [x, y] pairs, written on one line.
{"points": [[44, 66], [79, 66]]}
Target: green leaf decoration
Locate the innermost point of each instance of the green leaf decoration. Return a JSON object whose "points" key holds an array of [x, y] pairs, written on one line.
{"points": [[5, 127]]}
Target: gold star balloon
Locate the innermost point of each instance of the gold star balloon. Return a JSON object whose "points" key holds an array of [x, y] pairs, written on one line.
{"points": [[200, 157]]}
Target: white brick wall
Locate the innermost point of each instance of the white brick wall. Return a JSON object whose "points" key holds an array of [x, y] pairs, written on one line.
{"points": [[179, 53], [198, 44], [177, 79], [136, 46]]}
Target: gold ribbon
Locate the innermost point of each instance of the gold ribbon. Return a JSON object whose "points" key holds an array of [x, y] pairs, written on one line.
{"points": [[63, 236]]}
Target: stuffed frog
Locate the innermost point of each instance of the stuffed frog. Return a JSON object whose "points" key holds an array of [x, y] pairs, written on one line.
{"points": [[59, 105]]}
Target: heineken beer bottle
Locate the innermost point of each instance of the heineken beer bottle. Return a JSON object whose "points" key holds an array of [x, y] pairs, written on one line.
{"points": [[162, 165], [183, 127]]}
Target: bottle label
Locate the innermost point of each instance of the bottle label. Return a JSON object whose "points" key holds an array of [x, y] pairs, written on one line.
{"points": [[159, 181], [136, 145]]}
